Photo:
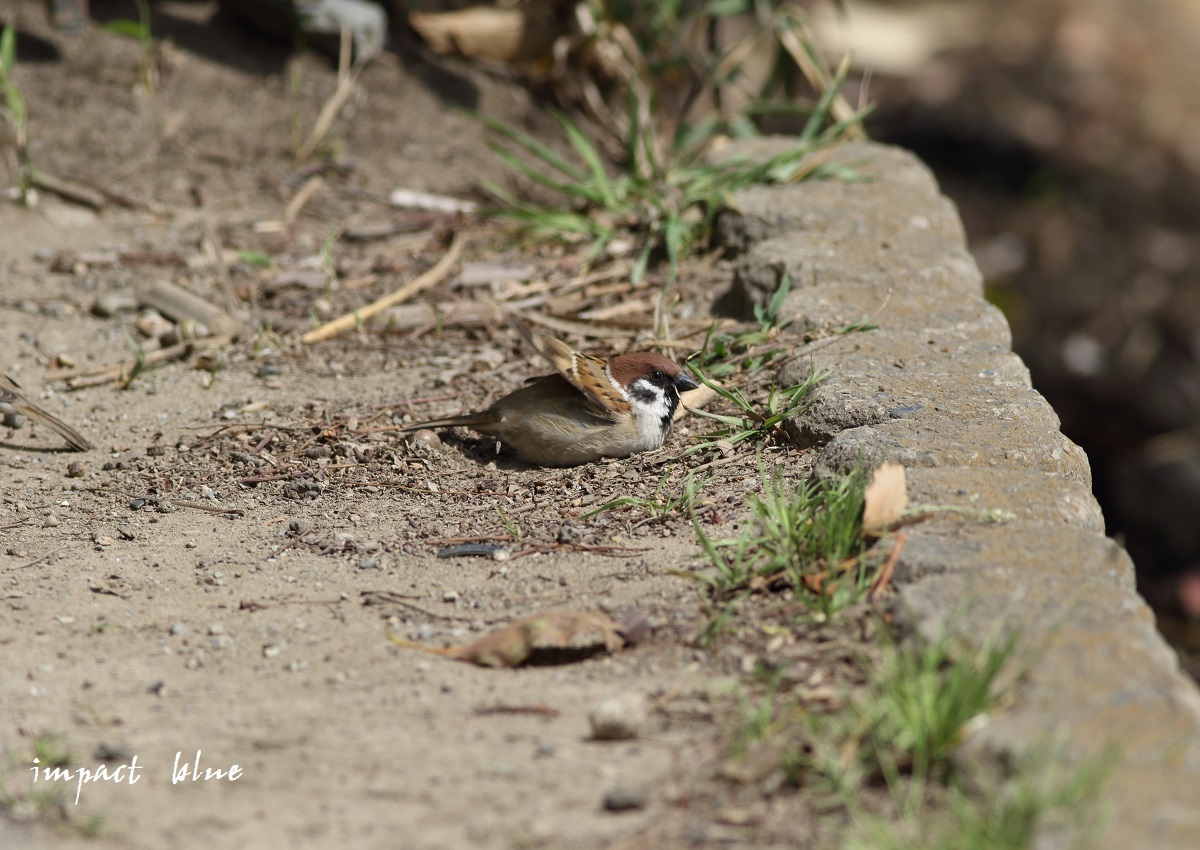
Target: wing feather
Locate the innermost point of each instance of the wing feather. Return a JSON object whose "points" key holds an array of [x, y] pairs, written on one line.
{"points": [[586, 373]]}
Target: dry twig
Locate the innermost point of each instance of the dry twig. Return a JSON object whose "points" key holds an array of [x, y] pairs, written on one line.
{"points": [[408, 290]]}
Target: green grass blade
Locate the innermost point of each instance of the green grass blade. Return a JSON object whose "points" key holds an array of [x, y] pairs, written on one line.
{"points": [[604, 187], [569, 188], [673, 239], [125, 28], [533, 146], [824, 105], [8, 49]]}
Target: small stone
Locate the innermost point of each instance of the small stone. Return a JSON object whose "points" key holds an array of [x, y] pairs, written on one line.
{"points": [[74, 469], [178, 628], [151, 324], [569, 533], [426, 438], [624, 798], [545, 749], [111, 303], [271, 650], [618, 718]]}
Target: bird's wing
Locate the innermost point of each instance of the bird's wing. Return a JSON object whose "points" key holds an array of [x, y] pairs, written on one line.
{"points": [[586, 373]]}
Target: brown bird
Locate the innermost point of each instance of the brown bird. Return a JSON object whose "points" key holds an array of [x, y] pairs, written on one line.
{"points": [[12, 402], [590, 409]]}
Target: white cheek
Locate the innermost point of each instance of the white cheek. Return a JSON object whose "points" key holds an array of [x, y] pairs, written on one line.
{"points": [[648, 415]]}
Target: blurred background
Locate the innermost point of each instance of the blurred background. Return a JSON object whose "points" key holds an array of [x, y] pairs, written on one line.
{"points": [[1068, 133]]}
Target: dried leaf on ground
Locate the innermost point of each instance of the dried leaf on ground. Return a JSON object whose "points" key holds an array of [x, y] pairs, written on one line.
{"points": [[555, 636], [498, 35], [884, 500]]}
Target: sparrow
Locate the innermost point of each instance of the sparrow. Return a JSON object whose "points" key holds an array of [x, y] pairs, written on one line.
{"points": [[13, 403], [588, 410]]}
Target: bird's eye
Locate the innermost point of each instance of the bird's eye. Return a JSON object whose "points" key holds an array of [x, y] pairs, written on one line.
{"points": [[657, 377]]}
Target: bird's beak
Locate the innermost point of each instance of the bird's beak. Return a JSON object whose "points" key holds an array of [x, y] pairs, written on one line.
{"points": [[683, 383]]}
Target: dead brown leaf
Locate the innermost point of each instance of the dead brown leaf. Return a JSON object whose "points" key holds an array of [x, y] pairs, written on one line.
{"points": [[498, 35], [554, 636], [884, 500]]}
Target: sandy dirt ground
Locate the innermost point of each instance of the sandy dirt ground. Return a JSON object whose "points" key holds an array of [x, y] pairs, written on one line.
{"points": [[212, 583]]}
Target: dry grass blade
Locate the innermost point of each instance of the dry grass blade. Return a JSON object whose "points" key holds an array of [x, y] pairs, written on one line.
{"points": [[347, 77], [820, 80], [216, 254], [567, 326], [68, 189], [883, 576], [300, 200], [80, 378], [421, 283]]}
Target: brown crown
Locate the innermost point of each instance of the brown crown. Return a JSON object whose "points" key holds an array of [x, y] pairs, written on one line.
{"points": [[627, 368]]}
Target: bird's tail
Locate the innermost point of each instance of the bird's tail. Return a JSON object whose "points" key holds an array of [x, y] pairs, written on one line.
{"points": [[12, 401], [76, 440]]}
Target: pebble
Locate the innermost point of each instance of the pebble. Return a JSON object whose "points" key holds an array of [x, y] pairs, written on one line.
{"points": [[151, 324], [545, 749], [111, 303], [427, 438], [624, 798], [179, 628], [618, 718]]}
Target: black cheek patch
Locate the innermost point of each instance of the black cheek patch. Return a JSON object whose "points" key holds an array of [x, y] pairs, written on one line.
{"points": [[647, 394]]}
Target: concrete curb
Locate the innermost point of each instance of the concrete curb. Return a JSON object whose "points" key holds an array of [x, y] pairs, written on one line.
{"points": [[938, 389]]}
